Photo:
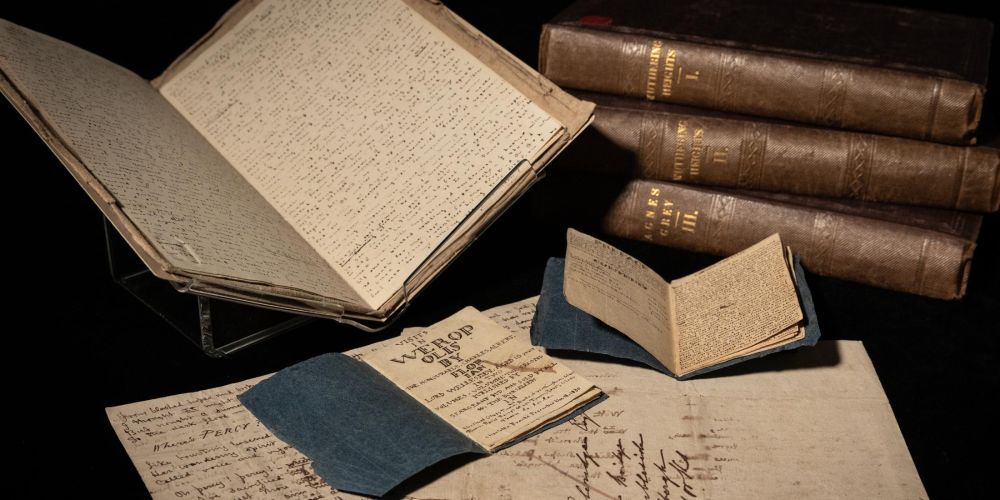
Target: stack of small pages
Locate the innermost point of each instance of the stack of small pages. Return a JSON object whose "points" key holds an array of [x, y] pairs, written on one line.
{"points": [[748, 305]]}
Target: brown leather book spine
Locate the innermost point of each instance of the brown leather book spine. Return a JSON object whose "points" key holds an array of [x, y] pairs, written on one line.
{"points": [[964, 225], [803, 89], [750, 154], [869, 251]]}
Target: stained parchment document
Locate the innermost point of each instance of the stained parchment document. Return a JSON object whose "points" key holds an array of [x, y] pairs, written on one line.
{"points": [[324, 156], [742, 304], [751, 435]]}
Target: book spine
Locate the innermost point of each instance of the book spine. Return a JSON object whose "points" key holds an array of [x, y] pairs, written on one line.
{"points": [[826, 93], [750, 154], [869, 251], [960, 224]]}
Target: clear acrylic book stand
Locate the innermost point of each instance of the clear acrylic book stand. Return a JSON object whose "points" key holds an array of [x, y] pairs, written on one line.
{"points": [[219, 327]]}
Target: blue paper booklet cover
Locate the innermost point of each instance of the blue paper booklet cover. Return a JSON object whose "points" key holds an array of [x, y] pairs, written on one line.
{"points": [[464, 385], [601, 300]]}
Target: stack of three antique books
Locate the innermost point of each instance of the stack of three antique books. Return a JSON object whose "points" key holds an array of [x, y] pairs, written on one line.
{"points": [[848, 128]]}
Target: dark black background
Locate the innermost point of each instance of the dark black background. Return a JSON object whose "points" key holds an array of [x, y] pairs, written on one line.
{"points": [[76, 342]]}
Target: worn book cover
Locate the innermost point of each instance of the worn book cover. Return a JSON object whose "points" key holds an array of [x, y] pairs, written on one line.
{"points": [[919, 251], [668, 142], [849, 65]]}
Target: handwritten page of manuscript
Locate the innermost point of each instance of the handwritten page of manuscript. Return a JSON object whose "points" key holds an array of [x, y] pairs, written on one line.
{"points": [[184, 197], [367, 128]]}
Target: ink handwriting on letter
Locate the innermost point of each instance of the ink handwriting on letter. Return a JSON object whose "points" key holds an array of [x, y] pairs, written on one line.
{"points": [[620, 457], [641, 477], [585, 459], [583, 422], [678, 466]]}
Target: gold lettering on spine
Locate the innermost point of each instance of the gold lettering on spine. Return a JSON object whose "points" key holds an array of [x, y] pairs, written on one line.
{"points": [[649, 218], [661, 218], [668, 73], [720, 157], [654, 67], [680, 150], [697, 145], [681, 162], [667, 212], [690, 222]]}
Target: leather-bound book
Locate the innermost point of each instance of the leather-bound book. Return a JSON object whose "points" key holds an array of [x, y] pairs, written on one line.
{"points": [[964, 225], [846, 65], [849, 246], [661, 141]]}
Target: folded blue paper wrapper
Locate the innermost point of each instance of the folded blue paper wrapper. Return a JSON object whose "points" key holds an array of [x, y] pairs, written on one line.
{"points": [[362, 432], [559, 325]]}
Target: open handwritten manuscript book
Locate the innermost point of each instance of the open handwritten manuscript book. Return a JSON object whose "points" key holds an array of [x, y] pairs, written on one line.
{"points": [[321, 157], [743, 305]]}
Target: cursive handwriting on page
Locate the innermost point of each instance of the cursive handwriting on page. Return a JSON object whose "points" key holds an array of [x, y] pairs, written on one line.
{"points": [[364, 125]]}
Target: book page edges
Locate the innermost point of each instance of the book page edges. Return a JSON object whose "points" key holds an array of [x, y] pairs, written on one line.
{"points": [[260, 294], [104, 200], [573, 113], [228, 20]]}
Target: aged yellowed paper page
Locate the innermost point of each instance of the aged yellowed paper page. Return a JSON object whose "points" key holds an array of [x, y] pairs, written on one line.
{"points": [[734, 304], [818, 427], [365, 126], [482, 379], [752, 435], [791, 334], [206, 444], [622, 292], [184, 197]]}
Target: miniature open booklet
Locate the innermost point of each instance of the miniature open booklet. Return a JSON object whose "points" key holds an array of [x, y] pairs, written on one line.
{"points": [[276, 161], [463, 385], [745, 305]]}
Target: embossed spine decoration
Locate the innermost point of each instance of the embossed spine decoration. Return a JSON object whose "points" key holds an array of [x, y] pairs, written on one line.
{"points": [[869, 251], [831, 94], [665, 142]]}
